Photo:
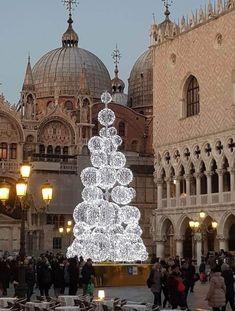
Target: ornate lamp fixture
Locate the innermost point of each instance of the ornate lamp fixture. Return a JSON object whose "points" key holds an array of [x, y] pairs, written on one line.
{"points": [[4, 191]]}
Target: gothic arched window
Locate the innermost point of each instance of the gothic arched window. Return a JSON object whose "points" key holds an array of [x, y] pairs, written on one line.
{"points": [[134, 146], [3, 151], [192, 97], [58, 150], [13, 151], [121, 129], [50, 149]]}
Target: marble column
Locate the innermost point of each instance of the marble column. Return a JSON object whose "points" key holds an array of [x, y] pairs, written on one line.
{"points": [[168, 191], [160, 246], [198, 254], [223, 243], [179, 247], [159, 193], [187, 179], [232, 182], [221, 185], [177, 191], [198, 187], [209, 197]]}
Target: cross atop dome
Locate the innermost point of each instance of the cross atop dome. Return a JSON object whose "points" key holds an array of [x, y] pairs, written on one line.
{"points": [[70, 4], [167, 4], [116, 55], [70, 38]]}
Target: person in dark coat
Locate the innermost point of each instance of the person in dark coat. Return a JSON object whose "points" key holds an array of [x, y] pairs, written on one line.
{"points": [[58, 277], [44, 276], [73, 276], [88, 275], [176, 289], [30, 280], [227, 274], [156, 286], [4, 275]]}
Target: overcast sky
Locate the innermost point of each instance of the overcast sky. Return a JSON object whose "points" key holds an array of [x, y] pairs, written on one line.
{"points": [[36, 26]]}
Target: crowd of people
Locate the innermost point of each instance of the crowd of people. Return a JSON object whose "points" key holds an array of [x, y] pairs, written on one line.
{"points": [[48, 271], [176, 278]]}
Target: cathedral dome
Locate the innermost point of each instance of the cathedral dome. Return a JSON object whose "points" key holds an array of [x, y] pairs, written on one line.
{"points": [[140, 92], [59, 70]]}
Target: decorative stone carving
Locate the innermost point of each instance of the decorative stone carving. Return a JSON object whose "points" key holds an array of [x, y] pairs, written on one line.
{"points": [[55, 132]]}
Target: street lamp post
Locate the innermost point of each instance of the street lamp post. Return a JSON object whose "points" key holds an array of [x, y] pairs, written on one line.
{"points": [[67, 230], [21, 192], [198, 227]]}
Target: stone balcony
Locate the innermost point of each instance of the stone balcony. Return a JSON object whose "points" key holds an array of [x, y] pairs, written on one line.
{"points": [[9, 167], [199, 200], [63, 167]]}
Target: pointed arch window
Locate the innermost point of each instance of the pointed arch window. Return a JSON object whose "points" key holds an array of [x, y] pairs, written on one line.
{"points": [[122, 129], [3, 151], [192, 97], [50, 149], [58, 150]]}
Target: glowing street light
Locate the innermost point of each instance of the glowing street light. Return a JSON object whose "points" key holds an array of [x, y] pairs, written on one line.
{"points": [[47, 192], [4, 191], [214, 224], [25, 170], [21, 188], [202, 214]]}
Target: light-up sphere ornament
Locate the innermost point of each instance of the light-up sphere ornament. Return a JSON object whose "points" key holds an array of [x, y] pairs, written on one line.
{"points": [[124, 176], [117, 160], [122, 195], [106, 98], [108, 132], [92, 194], [107, 177], [95, 144], [106, 117], [106, 227], [90, 176], [99, 159]]}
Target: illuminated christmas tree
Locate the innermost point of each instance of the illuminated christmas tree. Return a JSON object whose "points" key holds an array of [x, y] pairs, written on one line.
{"points": [[106, 227]]}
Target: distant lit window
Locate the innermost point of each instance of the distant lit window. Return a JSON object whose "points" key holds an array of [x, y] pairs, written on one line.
{"points": [[13, 151], [3, 150]]}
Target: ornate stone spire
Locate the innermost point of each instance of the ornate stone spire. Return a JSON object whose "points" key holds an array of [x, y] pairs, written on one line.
{"points": [[70, 37], [28, 84], [167, 4], [116, 57]]}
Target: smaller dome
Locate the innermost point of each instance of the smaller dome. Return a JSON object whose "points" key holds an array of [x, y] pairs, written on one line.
{"points": [[70, 37], [140, 92], [117, 85]]}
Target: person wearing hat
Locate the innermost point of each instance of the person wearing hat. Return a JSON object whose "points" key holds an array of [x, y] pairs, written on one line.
{"points": [[227, 274]]}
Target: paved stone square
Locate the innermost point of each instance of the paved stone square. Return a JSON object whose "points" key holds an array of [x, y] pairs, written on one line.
{"points": [[196, 300]]}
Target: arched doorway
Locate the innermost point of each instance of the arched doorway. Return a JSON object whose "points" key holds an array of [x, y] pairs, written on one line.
{"points": [[208, 236], [229, 232], [231, 238], [168, 234], [187, 244]]}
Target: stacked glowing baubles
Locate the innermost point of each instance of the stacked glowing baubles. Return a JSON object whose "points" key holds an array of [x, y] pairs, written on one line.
{"points": [[106, 226]]}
